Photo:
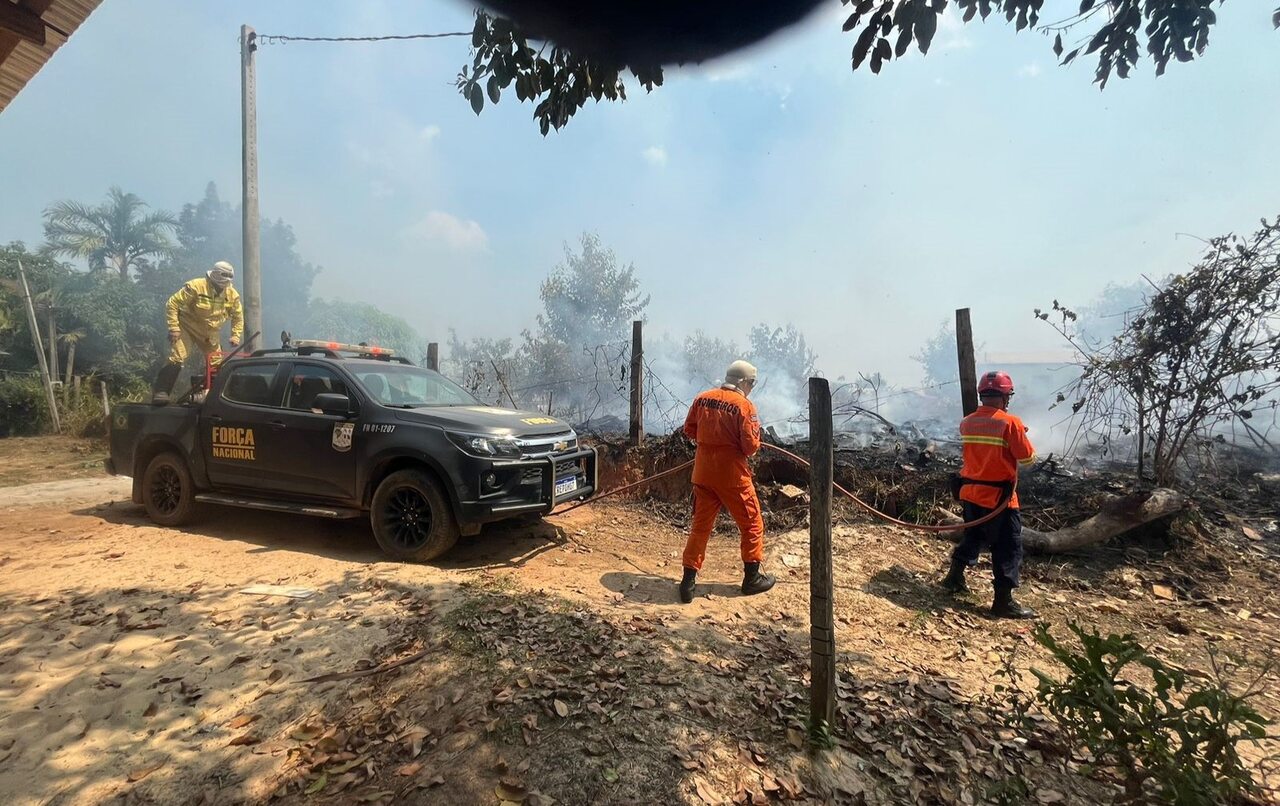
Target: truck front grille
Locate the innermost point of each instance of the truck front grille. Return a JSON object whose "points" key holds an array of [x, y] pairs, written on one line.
{"points": [[556, 444]]}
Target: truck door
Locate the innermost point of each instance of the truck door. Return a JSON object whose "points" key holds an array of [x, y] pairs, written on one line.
{"points": [[315, 456], [237, 438]]}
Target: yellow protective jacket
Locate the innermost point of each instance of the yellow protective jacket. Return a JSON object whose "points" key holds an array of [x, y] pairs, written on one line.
{"points": [[200, 309]]}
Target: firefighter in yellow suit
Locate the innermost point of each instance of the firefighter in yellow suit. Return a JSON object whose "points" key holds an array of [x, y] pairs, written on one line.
{"points": [[195, 315]]}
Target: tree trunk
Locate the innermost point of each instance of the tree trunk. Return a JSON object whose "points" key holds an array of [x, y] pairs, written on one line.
{"points": [[71, 360], [1118, 516], [53, 343], [71, 363]]}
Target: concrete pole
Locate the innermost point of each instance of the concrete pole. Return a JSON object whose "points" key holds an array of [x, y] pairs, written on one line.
{"points": [[35, 341], [252, 268]]}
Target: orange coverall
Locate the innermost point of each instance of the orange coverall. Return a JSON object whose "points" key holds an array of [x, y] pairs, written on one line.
{"points": [[995, 444], [724, 425]]}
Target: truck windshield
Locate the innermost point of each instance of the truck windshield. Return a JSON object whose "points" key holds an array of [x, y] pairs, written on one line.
{"points": [[409, 387]]}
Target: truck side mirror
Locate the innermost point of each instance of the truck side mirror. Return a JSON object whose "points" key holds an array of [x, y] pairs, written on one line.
{"points": [[332, 403]]}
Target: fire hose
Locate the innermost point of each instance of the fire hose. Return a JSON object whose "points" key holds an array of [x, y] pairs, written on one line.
{"points": [[1001, 507]]}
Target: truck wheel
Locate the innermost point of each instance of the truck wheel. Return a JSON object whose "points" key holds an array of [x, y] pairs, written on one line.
{"points": [[167, 491], [411, 517]]}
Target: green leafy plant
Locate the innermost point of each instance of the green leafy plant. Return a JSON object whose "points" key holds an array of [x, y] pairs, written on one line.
{"points": [[1176, 740], [23, 409], [561, 61], [820, 735]]}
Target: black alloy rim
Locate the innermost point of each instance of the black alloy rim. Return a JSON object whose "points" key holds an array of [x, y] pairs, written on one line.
{"points": [[166, 489], [407, 518]]}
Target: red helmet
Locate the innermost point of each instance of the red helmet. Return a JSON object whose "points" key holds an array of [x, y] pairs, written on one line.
{"points": [[998, 382]]}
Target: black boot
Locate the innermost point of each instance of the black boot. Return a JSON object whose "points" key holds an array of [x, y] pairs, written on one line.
{"points": [[1005, 606], [753, 581], [954, 582], [165, 380], [686, 585]]}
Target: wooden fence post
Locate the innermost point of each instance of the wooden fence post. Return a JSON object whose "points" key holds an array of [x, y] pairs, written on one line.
{"points": [[637, 383], [968, 368], [822, 641], [433, 356]]}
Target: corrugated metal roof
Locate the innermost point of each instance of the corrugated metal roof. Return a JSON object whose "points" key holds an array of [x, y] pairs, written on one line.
{"points": [[21, 59]]}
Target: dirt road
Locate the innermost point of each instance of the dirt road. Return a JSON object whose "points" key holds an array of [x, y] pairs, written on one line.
{"points": [[133, 668]]}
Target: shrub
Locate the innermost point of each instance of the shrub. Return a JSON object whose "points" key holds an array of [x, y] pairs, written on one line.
{"points": [[23, 410], [1176, 741]]}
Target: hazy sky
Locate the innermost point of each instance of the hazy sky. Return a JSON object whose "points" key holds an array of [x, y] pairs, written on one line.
{"points": [[776, 186]]}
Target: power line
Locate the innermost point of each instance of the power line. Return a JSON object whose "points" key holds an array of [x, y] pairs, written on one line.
{"points": [[280, 39]]}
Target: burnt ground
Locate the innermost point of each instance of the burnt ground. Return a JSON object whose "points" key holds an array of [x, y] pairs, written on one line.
{"points": [[551, 662]]}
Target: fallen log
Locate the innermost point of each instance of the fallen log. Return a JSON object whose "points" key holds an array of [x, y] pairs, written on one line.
{"points": [[1117, 516]]}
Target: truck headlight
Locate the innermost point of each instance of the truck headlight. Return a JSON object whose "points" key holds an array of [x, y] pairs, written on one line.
{"points": [[476, 445]]}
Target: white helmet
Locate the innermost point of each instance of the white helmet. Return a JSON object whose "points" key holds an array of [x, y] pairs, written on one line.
{"points": [[739, 371]]}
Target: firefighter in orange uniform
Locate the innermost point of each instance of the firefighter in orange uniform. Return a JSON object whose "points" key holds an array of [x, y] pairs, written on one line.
{"points": [[995, 446], [724, 426]]}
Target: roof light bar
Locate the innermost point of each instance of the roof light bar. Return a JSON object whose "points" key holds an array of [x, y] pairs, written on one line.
{"points": [[338, 347]]}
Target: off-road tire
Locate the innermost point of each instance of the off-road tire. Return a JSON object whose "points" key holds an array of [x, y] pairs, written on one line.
{"points": [[411, 517], [167, 490]]}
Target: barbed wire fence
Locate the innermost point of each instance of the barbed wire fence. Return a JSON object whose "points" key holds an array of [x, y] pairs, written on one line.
{"points": [[593, 393]]}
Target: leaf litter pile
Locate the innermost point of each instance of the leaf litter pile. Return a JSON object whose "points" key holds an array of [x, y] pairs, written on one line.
{"points": [[522, 698]]}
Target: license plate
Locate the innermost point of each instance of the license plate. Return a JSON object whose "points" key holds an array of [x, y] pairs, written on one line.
{"points": [[566, 485]]}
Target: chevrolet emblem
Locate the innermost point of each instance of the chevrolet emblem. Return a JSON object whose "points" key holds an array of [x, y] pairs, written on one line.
{"points": [[560, 446]]}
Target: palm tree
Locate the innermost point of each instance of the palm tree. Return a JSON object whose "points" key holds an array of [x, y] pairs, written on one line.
{"points": [[115, 233]]}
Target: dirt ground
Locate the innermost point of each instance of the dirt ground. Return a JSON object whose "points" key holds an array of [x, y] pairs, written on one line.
{"points": [[542, 663], [24, 460]]}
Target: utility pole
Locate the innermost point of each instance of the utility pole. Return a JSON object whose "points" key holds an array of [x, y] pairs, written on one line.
{"points": [[822, 637], [968, 369], [249, 183], [35, 340], [637, 383]]}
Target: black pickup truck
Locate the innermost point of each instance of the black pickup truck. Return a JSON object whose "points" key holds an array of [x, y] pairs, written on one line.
{"points": [[338, 431]]}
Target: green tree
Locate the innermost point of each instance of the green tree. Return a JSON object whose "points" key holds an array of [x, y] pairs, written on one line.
{"points": [[578, 355], [117, 325], [781, 355], [594, 46], [589, 299], [706, 358], [210, 230], [937, 357], [43, 273], [356, 322], [1202, 354], [117, 233], [477, 364]]}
